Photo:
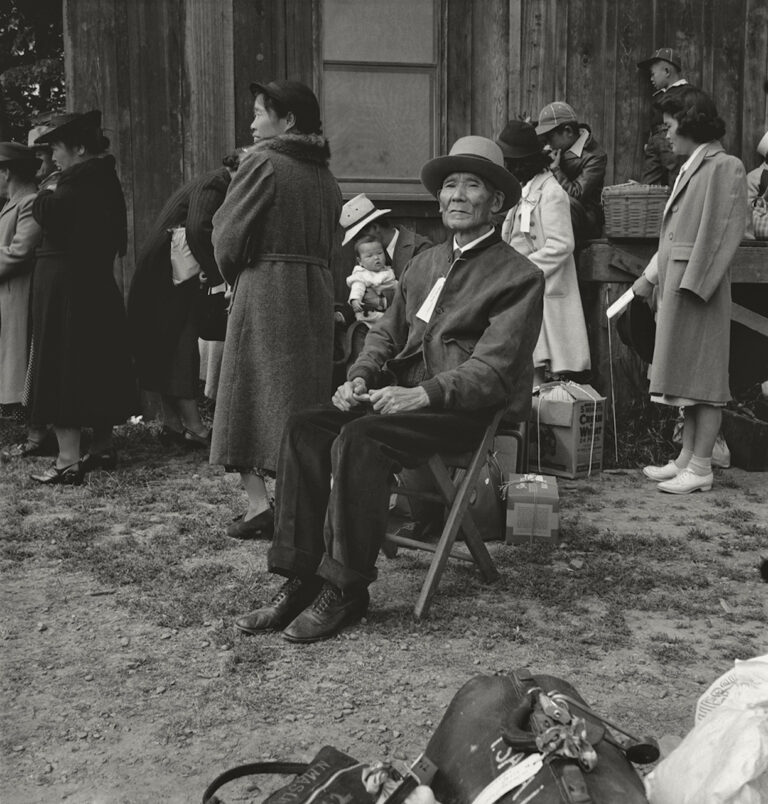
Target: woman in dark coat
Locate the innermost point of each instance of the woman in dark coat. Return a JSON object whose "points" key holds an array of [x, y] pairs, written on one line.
{"points": [[81, 366], [161, 315], [701, 228], [273, 237]]}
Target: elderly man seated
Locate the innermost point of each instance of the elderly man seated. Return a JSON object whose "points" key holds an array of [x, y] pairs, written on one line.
{"points": [[455, 345]]}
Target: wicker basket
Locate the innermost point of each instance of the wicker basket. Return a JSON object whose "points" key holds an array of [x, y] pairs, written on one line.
{"points": [[634, 210]]}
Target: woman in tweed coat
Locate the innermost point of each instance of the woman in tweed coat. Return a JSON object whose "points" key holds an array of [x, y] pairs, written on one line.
{"points": [[702, 225], [273, 237]]}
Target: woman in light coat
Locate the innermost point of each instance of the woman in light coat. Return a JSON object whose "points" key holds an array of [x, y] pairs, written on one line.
{"points": [[539, 227], [19, 236], [702, 226]]}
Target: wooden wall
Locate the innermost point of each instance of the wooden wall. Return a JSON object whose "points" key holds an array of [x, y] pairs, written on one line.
{"points": [[172, 76]]}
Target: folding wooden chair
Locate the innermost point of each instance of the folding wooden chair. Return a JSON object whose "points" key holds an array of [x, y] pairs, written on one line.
{"points": [[455, 493]]}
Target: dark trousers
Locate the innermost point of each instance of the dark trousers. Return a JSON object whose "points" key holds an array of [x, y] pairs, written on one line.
{"points": [[335, 530]]}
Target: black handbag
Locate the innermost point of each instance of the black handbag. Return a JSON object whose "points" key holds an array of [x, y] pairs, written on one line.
{"points": [[637, 328], [211, 314]]}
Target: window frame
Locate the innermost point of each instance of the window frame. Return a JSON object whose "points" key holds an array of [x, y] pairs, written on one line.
{"points": [[394, 190]]}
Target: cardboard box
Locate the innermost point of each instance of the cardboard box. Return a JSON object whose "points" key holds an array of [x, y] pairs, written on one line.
{"points": [[533, 509], [565, 429]]}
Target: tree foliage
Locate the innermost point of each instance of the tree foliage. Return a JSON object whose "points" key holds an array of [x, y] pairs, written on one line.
{"points": [[31, 63]]}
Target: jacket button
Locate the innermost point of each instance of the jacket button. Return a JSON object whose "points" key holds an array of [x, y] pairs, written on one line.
{"points": [[439, 310], [674, 208], [428, 337], [533, 237], [671, 235]]}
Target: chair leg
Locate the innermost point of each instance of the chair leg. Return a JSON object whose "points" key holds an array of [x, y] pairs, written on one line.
{"points": [[458, 501]]}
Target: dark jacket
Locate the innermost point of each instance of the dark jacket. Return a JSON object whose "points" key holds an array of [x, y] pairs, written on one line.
{"points": [[81, 368], [408, 245], [660, 164], [157, 309], [582, 177], [477, 348], [273, 238]]}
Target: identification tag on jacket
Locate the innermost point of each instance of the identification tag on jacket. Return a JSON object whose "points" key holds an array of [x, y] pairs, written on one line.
{"points": [[428, 307]]}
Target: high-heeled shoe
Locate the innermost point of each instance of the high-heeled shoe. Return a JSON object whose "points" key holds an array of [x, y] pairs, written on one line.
{"points": [[261, 526], [107, 459], [193, 439], [71, 475]]}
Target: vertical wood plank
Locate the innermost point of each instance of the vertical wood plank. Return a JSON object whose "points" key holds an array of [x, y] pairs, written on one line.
{"points": [[209, 116], [514, 91], [459, 74], [635, 39], [755, 96], [258, 54], [728, 56], [155, 35], [299, 40], [544, 54], [489, 67], [586, 47]]}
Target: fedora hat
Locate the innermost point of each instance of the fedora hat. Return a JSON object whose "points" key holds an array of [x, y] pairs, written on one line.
{"points": [[518, 140], [477, 155], [662, 54], [34, 133], [64, 124], [15, 153], [294, 97], [356, 214]]}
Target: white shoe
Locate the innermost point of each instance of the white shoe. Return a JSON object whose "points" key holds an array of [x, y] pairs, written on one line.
{"points": [[658, 473], [686, 482]]}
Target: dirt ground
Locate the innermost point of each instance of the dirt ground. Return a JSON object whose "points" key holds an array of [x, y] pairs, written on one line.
{"points": [[123, 681]]}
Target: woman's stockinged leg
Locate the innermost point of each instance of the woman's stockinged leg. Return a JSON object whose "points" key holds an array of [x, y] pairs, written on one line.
{"points": [[69, 446], [689, 430], [708, 419], [256, 489], [190, 416]]}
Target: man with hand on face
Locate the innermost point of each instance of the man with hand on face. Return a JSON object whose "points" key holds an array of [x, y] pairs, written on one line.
{"points": [[456, 344], [661, 165]]}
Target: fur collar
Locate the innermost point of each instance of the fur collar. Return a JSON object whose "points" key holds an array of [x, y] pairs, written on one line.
{"points": [[308, 147]]}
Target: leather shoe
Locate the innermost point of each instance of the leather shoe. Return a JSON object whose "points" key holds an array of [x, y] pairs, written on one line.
{"points": [[659, 473], [261, 526], [686, 482], [71, 475], [291, 599], [99, 460], [329, 614], [193, 439]]}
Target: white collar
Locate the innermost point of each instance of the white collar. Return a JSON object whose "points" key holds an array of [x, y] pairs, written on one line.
{"points": [[462, 249], [578, 146], [393, 243], [690, 159], [677, 83]]}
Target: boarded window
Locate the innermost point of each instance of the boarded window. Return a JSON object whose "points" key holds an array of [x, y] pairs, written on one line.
{"points": [[380, 92]]}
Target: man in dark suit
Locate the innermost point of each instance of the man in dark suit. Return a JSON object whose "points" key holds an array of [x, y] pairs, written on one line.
{"points": [[455, 345], [359, 217]]}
